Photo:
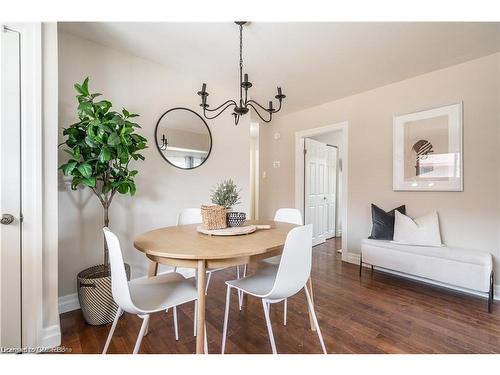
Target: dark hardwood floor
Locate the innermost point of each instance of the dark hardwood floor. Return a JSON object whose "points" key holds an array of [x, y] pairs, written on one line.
{"points": [[378, 313]]}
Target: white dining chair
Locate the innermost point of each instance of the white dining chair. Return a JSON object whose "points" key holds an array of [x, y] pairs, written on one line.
{"points": [[275, 283], [284, 215], [145, 296]]}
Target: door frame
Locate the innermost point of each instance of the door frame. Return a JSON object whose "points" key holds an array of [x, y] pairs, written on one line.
{"points": [[31, 178], [299, 171]]}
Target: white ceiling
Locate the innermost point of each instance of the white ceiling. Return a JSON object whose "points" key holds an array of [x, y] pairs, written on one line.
{"points": [[313, 62]]}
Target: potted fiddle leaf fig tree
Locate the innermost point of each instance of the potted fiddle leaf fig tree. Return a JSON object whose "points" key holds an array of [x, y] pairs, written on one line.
{"points": [[102, 146]]}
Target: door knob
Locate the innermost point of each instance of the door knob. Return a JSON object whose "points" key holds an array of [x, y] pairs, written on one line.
{"points": [[7, 219]]}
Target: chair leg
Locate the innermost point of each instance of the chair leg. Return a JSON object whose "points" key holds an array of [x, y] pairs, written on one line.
{"points": [[112, 330], [141, 333], [265, 305], [240, 293], [205, 341], [226, 318], [195, 315], [285, 307], [311, 309], [208, 282], [176, 327]]}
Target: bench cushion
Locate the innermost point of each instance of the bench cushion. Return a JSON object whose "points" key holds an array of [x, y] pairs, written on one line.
{"points": [[469, 269], [452, 253]]}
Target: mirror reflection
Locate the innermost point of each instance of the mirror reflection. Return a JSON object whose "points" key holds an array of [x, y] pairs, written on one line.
{"points": [[183, 138]]}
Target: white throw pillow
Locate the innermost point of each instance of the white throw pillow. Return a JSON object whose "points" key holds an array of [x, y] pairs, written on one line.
{"points": [[422, 231]]}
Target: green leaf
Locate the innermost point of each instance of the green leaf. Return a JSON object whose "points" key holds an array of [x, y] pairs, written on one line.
{"points": [[132, 187], [123, 188], [104, 155], [68, 167], [90, 142], [125, 112], [78, 88], [75, 182], [114, 139], [85, 169], [90, 181], [103, 105], [85, 108], [85, 86]]}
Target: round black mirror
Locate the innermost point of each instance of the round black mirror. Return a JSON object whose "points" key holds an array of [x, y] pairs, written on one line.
{"points": [[183, 138]]}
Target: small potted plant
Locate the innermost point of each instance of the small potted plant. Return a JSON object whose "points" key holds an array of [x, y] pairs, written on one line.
{"points": [[227, 195], [101, 146]]}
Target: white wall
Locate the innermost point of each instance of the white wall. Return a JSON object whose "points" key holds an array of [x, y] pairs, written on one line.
{"points": [[469, 218], [148, 89]]}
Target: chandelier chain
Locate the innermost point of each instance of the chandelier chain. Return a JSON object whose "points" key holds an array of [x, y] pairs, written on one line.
{"points": [[244, 105], [241, 64]]}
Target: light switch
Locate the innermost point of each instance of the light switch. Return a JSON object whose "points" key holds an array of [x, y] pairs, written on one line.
{"points": [[277, 136], [276, 164], [264, 174]]}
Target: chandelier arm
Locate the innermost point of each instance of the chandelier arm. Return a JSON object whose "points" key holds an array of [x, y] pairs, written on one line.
{"points": [[217, 115], [222, 105], [278, 109], [262, 118], [236, 119], [254, 102]]}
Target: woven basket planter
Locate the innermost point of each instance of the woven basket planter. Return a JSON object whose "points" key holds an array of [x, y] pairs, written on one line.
{"points": [[214, 217], [95, 296]]}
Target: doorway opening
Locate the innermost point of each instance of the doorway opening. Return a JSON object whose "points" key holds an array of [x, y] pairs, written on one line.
{"points": [[321, 161]]}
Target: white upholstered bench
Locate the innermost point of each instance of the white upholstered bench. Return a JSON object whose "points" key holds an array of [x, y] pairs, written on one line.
{"points": [[469, 270]]}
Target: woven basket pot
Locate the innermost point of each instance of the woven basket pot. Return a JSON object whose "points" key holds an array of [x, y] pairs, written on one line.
{"points": [[95, 296], [213, 217]]}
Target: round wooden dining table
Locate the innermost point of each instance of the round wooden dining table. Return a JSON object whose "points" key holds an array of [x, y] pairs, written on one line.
{"points": [[184, 246]]}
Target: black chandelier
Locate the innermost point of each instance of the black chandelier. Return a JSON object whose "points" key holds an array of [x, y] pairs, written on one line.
{"points": [[243, 106]]}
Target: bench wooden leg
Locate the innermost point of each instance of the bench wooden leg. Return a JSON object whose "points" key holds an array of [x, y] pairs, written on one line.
{"points": [[360, 263], [490, 297]]}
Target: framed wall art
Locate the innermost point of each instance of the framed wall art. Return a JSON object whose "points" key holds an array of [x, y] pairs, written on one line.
{"points": [[428, 150]]}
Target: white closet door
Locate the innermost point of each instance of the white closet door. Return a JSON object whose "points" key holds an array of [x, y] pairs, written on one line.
{"points": [[10, 190], [316, 189]]}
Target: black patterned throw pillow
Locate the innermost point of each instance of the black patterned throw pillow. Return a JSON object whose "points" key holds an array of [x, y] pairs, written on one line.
{"points": [[383, 222]]}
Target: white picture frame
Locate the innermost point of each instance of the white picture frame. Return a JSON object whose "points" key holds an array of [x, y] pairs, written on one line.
{"points": [[428, 150]]}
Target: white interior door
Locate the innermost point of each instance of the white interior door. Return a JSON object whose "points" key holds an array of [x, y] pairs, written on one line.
{"points": [[315, 189], [10, 190], [331, 193]]}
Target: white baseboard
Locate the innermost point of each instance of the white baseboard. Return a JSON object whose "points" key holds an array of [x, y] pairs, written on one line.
{"points": [[349, 257], [51, 336], [68, 302], [355, 257]]}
